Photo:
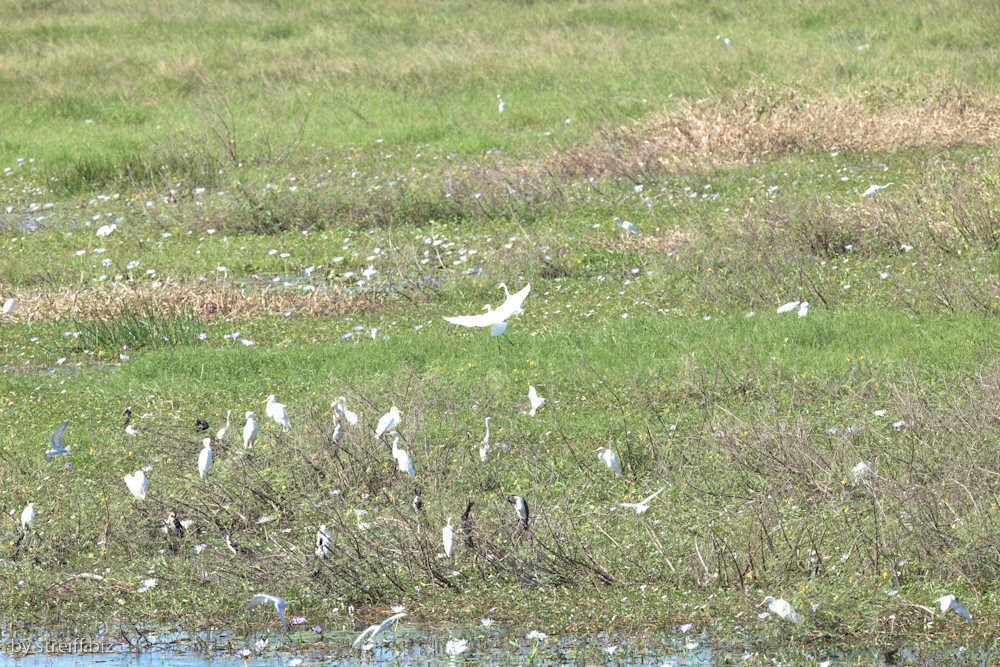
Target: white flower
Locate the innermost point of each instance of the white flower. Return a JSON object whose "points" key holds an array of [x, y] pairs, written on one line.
{"points": [[880, 413], [610, 650], [456, 647], [397, 608], [535, 634], [487, 622]]}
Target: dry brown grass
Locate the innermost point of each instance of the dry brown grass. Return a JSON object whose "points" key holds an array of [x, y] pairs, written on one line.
{"points": [[199, 299]]}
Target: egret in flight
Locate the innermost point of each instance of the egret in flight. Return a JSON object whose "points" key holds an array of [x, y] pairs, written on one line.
{"points": [[783, 610], [496, 320], [951, 602], [373, 630], [388, 422], [535, 400], [610, 459], [403, 459], [874, 189], [279, 605], [642, 506], [57, 446], [278, 413], [250, 431]]}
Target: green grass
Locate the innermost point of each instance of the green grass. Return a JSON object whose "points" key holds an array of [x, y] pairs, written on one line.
{"points": [[236, 148]]}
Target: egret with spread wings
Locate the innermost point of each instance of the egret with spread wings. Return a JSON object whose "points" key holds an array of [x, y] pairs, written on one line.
{"points": [[496, 320]]}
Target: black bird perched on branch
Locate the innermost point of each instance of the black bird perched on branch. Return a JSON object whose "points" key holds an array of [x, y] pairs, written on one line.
{"points": [[200, 424], [466, 525], [521, 507]]}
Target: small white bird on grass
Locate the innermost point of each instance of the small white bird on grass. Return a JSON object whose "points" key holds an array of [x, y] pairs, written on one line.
{"points": [[250, 431], [782, 609], [278, 413], [205, 457], [874, 189], [340, 408], [8, 306], [448, 537], [496, 320], [951, 602], [403, 459], [484, 449], [626, 226], [642, 506], [221, 435], [521, 507], [502, 107], [279, 605], [788, 307], [388, 422], [803, 309], [105, 231], [136, 483], [57, 446], [324, 538], [610, 459], [725, 40], [338, 434], [535, 400], [28, 517], [372, 630]]}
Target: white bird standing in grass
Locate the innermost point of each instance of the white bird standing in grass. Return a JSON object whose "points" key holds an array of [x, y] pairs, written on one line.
{"points": [[521, 507], [250, 431], [642, 506], [501, 106], [875, 189], [340, 407], [496, 320], [788, 307], [57, 446], [221, 435], [484, 449], [403, 459], [388, 422], [278, 413], [28, 517], [105, 230], [373, 630], [803, 309], [279, 605], [338, 434], [610, 459], [205, 458], [8, 306], [725, 40], [448, 537], [323, 540], [136, 483], [951, 602], [782, 609], [626, 226], [534, 399]]}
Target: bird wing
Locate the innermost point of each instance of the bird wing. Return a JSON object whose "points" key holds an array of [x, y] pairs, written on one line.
{"points": [[628, 505], [370, 630], [532, 394], [57, 436], [646, 500], [389, 621], [512, 305], [791, 305], [258, 600], [960, 609], [483, 320]]}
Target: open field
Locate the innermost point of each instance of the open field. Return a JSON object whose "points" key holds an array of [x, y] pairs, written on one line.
{"points": [[301, 192]]}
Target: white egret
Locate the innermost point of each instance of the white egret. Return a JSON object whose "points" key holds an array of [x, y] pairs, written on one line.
{"points": [[278, 413], [340, 407], [496, 320], [403, 459], [610, 459], [388, 422], [105, 230], [626, 226], [782, 609], [373, 630], [803, 309], [28, 517], [788, 307], [951, 602], [642, 506], [57, 446], [508, 296], [521, 507], [8, 306], [875, 189], [448, 537], [725, 40], [338, 434], [279, 605], [501, 106], [484, 449], [136, 483], [323, 540], [221, 435], [205, 458], [249, 431], [535, 400], [863, 473]]}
